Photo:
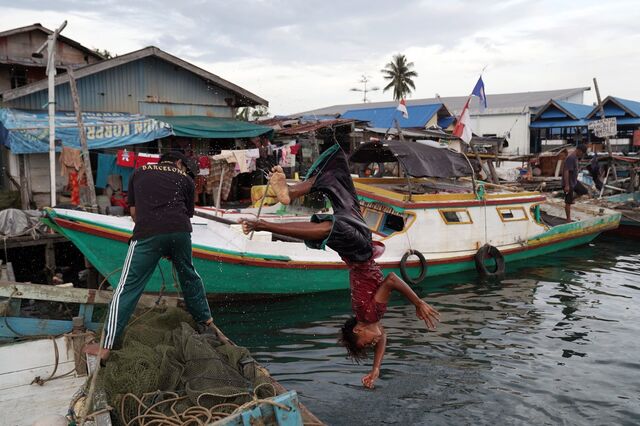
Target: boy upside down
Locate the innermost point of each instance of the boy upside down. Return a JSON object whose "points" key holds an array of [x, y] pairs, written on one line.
{"points": [[346, 232]]}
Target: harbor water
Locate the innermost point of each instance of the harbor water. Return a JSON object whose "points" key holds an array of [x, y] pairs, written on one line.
{"points": [[556, 341]]}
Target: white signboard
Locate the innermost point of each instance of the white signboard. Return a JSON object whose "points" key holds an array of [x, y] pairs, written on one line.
{"points": [[605, 127]]}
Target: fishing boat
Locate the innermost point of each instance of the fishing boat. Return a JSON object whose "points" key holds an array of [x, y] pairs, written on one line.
{"points": [[429, 227]]}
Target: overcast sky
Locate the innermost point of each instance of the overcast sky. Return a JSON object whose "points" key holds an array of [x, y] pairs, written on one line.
{"points": [[301, 55]]}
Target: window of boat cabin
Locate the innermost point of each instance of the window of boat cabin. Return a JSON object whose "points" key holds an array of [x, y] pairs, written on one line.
{"points": [[456, 216], [372, 218], [512, 214], [392, 223]]}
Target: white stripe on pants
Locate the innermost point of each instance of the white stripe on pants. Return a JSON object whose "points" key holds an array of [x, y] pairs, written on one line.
{"points": [[112, 319]]}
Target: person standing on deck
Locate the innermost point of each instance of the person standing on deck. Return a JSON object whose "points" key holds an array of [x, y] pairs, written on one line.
{"points": [[570, 185], [161, 200], [346, 232]]}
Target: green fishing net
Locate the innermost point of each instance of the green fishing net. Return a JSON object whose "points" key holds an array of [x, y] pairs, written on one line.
{"points": [[165, 368]]}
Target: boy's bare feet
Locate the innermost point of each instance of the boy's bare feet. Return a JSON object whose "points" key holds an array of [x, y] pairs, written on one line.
{"points": [[278, 182], [94, 348]]}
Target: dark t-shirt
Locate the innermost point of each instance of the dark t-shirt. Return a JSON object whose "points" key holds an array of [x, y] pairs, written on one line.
{"points": [[571, 165], [350, 236], [163, 196]]}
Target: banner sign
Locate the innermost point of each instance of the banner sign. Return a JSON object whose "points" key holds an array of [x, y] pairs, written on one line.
{"points": [[27, 132], [605, 127]]}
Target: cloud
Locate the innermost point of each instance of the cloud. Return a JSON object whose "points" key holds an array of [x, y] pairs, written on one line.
{"points": [[303, 55]]}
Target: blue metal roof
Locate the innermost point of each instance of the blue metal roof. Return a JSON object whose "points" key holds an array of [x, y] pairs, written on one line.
{"points": [[419, 115], [632, 106], [445, 122], [545, 124], [578, 110]]}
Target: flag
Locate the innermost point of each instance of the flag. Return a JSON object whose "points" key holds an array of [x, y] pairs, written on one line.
{"points": [[463, 127], [478, 91], [402, 107]]}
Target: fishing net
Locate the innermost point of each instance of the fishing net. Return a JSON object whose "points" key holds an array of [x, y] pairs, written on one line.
{"points": [[166, 371]]}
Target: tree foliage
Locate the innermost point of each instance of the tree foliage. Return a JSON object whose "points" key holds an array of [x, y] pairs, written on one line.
{"points": [[249, 113], [400, 75]]}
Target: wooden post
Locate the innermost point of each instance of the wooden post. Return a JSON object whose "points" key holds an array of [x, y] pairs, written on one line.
{"points": [[83, 141], [50, 260], [606, 138], [22, 187]]}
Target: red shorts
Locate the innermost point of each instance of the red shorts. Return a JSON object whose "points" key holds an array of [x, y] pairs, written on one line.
{"points": [[365, 279]]}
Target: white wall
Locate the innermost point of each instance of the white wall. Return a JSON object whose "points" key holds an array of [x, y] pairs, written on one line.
{"points": [[499, 125]]}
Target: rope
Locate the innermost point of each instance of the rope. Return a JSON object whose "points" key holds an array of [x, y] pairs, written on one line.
{"points": [[148, 414], [52, 376]]}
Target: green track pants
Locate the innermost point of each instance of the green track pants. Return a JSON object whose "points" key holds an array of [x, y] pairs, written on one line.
{"points": [[142, 258]]}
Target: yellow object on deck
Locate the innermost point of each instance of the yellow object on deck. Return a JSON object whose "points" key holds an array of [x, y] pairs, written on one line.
{"points": [[257, 192]]}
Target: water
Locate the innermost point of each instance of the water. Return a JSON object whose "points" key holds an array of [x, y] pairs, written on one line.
{"points": [[555, 342]]}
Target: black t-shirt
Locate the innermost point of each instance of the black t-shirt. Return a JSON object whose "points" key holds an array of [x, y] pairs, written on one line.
{"points": [[163, 196], [570, 165]]}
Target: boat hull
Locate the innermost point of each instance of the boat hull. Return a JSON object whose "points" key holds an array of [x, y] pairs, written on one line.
{"points": [[225, 272]]}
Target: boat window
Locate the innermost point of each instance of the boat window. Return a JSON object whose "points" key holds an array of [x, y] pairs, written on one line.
{"points": [[512, 214], [392, 223], [372, 218], [456, 217]]}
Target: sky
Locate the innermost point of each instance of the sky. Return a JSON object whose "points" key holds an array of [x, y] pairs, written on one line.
{"points": [[302, 55]]}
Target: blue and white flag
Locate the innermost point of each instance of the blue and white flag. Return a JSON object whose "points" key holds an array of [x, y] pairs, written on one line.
{"points": [[478, 91]]}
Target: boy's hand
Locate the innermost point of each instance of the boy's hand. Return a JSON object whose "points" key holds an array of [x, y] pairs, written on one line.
{"points": [[428, 314], [249, 225], [370, 378]]}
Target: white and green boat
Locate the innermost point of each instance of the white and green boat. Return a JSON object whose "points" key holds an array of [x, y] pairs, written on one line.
{"points": [[429, 228]]}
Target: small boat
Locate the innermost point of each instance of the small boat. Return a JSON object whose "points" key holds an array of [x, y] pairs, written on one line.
{"points": [[629, 207], [445, 224], [43, 376]]}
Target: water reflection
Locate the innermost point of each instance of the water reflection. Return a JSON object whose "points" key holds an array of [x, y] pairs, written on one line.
{"points": [[554, 342]]}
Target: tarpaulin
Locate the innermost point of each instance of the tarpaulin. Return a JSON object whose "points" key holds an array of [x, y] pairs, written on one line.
{"points": [[27, 132], [418, 160], [192, 126]]}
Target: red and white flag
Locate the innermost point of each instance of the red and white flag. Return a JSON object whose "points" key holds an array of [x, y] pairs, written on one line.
{"points": [[402, 107], [463, 127]]}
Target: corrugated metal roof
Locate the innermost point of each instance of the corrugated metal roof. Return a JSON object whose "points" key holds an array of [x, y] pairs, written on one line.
{"points": [[245, 97], [576, 110], [631, 106], [505, 102], [312, 127], [547, 124], [419, 115], [617, 107]]}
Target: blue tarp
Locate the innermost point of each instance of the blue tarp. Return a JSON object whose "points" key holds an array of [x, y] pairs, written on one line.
{"points": [[27, 132]]}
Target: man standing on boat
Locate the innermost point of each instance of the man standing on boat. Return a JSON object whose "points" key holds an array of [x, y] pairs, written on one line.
{"points": [[161, 199], [570, 185], [346, 232]]}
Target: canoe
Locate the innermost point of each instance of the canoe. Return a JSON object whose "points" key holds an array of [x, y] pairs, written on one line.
{"points": [[447, 228], [630, 215]]}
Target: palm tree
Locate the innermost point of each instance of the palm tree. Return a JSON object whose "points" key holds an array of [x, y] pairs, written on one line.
{"points": [[401, 75]]}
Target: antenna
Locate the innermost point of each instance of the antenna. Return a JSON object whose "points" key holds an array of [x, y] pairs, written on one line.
{"points": [[364, 79]]}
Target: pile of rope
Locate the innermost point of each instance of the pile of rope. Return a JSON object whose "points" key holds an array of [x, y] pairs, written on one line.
{"points": [[168, 374]]}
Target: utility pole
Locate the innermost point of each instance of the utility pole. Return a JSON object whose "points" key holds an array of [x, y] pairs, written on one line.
{"points": [[364, 80], [606, 138], [50, 44]]}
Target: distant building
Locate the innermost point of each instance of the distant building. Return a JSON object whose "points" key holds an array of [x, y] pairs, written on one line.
{"points": [[507, 115], [199, 105], [558, 123], [17, 65]]}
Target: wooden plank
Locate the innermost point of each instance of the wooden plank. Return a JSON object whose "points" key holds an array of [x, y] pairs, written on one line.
{"points": [[83, 140], [29, 241], [11, 327], [72, 295]]}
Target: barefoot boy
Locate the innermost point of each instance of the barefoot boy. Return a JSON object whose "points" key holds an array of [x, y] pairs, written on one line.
{"points": [[346, 232]]}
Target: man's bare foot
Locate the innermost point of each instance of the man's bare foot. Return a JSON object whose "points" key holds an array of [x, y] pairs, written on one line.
{"points": [[278, 182], [94, 349]]}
